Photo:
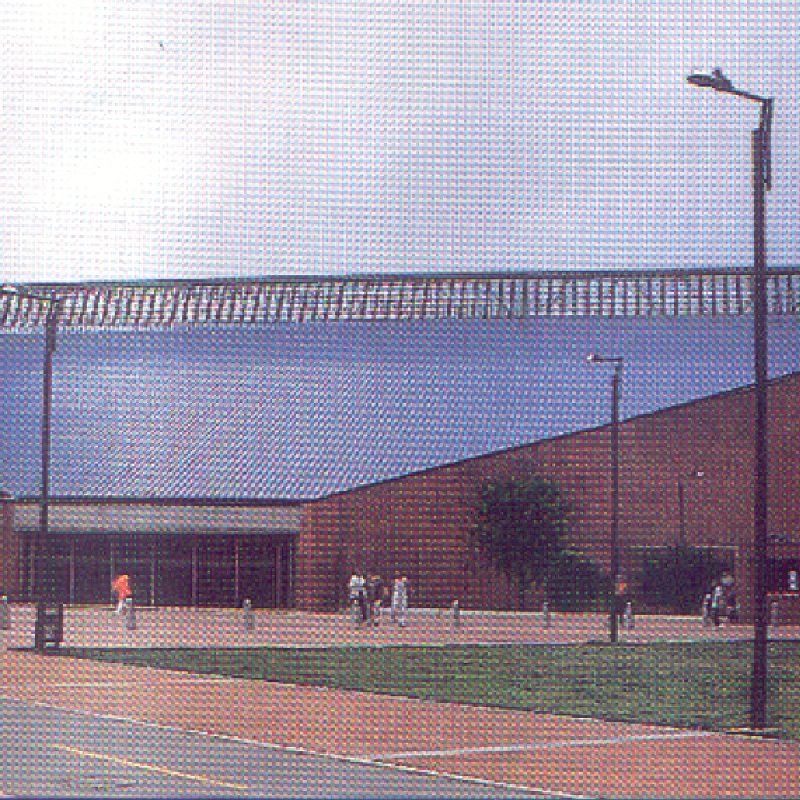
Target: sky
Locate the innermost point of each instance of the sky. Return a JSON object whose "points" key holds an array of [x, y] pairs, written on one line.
{"points": [[197, 139]]}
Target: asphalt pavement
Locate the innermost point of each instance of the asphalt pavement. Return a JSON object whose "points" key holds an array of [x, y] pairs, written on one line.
{"points": [[50, 752]]}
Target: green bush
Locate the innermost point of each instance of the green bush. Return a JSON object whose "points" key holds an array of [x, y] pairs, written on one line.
{"points": [[575, 583], [678, 577]]}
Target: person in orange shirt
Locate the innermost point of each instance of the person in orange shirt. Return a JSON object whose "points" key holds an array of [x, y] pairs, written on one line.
{"points": [[122, 586]]}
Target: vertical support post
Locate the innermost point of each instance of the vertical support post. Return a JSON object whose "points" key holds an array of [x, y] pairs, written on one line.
{"points": [[111, 558], [277, 575], [153, 552], [613, 591], [195, 580], [44, 588], [72, 546], [236, 571], [613, 629], [760, 144]]}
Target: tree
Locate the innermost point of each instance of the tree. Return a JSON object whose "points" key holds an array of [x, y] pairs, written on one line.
{"points": [[521, 528]]}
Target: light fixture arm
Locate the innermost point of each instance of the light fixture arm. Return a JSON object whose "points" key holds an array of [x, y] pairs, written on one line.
{"points": [[719, 83]]}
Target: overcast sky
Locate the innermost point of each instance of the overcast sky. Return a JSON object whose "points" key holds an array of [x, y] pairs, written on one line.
{"points": [[180, 138]]}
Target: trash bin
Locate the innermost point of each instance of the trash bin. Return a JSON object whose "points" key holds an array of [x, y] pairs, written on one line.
{"points": [[49, 629]]}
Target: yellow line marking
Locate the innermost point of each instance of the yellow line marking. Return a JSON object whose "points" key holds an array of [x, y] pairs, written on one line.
{"points": [[174, 773], [128, 684]]}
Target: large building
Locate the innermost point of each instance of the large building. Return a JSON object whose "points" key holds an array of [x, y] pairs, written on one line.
{"points": [[685, 476], [263, 439]]}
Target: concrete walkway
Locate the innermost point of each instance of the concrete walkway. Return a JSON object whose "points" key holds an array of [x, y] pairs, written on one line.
{"points": [[188, 627]]}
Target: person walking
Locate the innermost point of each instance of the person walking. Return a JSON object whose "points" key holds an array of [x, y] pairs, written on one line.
{"points": [[121, 585], [353, 589], [717, 601], [386, 598], [375, 593], [705, 610], [732, 604], [361, 586], [400, 600]]}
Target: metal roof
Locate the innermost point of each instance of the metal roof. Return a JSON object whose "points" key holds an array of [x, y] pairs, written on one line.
{"points": [[293, 412]]}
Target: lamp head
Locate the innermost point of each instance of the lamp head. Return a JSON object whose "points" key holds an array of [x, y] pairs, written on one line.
{"points": [[594, 358], [716, 80]]}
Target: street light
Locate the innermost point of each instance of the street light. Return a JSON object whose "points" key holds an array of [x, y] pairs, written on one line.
{"points": [[54, 304], [762, 181], [593, 358]]}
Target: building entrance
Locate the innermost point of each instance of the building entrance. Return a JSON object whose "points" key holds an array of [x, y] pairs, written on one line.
{"points": [[171, 570]]}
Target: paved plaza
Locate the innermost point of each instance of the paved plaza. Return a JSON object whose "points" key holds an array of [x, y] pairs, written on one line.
{"points": [[98, 626]]}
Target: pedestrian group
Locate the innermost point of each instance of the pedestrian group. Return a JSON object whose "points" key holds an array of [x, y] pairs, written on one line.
{"points": [[368, 599]]}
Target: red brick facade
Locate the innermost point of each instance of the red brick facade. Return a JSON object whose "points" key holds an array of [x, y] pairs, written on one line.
{"points": [[9, 548], [421, 524]]}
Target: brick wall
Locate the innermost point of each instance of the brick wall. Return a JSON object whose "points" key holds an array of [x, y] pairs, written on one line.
{"points": [[421, 524], [9, 549]]}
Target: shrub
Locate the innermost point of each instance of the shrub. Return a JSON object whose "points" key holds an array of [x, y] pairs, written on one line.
{"points": [[678, 577], [575, 583]]}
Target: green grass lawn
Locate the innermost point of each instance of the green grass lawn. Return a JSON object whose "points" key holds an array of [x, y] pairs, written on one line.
{"points": [[704, 685]]}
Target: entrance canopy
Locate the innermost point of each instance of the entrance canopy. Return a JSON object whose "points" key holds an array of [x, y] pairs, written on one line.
{"points": [[125, 519]]}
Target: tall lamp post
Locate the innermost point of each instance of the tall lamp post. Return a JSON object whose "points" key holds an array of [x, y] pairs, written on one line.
{"points": [[617, 361], [54, 304], [762, 181]]}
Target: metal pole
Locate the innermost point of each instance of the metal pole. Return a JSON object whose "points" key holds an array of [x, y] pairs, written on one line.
{"points": [[45, 589], [681, 514], [613, 629], [762, 181], [758, 696]]}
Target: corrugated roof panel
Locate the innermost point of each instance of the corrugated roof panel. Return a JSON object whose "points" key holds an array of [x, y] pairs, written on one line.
{"points": [[288, 412]]}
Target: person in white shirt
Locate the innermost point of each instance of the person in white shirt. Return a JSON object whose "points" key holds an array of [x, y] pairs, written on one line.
{"points": [[717, 601], [400, 600]]}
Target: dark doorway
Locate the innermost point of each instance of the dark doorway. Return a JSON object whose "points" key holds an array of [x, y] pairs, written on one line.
{"points": [[92, 570], [174, 571], [257, 571], [55, 568], [215, 571]]}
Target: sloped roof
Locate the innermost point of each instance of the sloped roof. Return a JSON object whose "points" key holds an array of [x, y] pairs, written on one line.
{"points": [[299, 411]]}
